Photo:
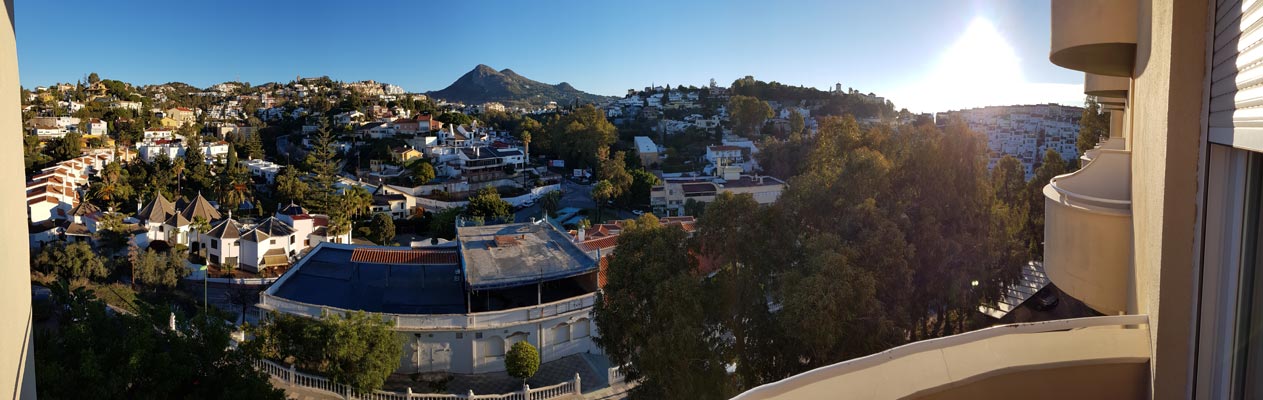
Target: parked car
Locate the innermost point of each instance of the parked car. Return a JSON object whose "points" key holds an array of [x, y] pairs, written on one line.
{"points": [[638, 212]]}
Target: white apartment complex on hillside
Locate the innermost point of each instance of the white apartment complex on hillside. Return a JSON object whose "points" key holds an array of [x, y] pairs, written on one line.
{"points": [[1024, 132]]}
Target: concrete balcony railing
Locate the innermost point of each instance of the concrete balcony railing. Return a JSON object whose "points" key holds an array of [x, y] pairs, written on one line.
{"points": [[1097, 357], [444, 322], [1095, 36], [1105, 86], [1114, 143], [1088, 234]]}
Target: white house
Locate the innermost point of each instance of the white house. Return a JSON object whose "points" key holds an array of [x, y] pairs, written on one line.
{"points": [[157, 133], [263, 169], [97, 127]]}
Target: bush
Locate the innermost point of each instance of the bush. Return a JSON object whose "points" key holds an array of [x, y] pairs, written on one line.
{"points": [[522, 361], [359, 350]]}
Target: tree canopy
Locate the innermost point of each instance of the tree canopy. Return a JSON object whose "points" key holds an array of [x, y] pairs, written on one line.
{"points": [[487, 205], [360, 349], [748, 114], [522, 360], [869, 215], [100, 355]]}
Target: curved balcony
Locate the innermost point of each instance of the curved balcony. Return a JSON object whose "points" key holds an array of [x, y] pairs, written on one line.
{"points": [[1095, 36], [1087, 231], [1113, 143], [1098, 357], [1105, 86], [579, 305]]}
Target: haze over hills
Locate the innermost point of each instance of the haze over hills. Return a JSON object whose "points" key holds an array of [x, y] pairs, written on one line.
{"points": [[484, 84]]}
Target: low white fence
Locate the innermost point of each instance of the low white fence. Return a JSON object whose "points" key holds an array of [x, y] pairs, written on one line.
{"points": [[295, 378], [616, 375]]}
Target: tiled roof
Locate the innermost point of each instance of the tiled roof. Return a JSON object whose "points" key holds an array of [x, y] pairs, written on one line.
{"points": [[292, 209], [255, 236], [274, 227], [226, 229], [157, 210], [199, 207], [601, 243], [85, 209], [37, 200], [404, 256]]}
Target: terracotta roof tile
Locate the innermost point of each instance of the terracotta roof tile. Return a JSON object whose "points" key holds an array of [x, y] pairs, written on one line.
{"points": [[599, 243], [404, 256]]}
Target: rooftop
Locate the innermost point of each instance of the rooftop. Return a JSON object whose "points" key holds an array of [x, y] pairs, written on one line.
{"points": [[497, 256], [377, 279]]}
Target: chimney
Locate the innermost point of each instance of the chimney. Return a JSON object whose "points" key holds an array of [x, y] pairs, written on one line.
{"points": [[583, 235]]}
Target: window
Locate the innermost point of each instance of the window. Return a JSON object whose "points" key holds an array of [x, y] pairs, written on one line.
{"points": [[1248, 362], [272, 241], [306, 242], [291, 239], [215, 243], [559, 334], [580, 329]]}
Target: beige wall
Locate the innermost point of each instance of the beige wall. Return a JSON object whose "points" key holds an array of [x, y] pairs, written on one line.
{"points": [[17, 369], [1110, 381], [1166, 131]]}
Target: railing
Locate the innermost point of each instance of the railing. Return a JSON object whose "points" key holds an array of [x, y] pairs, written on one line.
{"points": [[938, 346], [616, 376], [294, 378], [482, 320], [1108, 177]]}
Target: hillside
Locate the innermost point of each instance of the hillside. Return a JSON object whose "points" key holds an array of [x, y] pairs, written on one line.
{"points": [[484, 84]]}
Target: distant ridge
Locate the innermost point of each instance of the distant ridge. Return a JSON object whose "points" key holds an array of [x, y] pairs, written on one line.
{"points": [[485, 84]]}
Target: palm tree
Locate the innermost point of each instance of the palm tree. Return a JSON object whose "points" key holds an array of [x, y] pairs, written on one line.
{"points": [[357, 201], [199, 225], [177, 167], [602, 192]]}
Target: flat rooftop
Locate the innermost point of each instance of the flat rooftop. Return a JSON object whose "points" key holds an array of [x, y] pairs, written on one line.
{"points": [[499, 256], [378, 279]]}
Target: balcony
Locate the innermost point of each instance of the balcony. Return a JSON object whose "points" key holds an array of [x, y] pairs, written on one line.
{"points": [[1113, 143], [579, 305], [1105, 86], [1094, 36], [1097, 357], [1087, 231]]}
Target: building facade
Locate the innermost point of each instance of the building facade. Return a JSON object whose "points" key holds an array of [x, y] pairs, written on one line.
{"points": [[458, 308]]}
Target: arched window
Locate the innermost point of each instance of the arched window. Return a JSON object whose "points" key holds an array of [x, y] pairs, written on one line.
{"points": [[580, 329], [559, 334], [491, 346]]}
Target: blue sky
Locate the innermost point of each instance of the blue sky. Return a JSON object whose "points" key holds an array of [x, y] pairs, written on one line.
{"points": [[905, 50]]}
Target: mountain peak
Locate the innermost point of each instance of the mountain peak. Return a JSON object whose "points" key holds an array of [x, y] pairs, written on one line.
{"points": [[484, 69], [485, 84]]}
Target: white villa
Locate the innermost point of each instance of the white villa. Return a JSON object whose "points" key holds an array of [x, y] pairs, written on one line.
{"points": [[458, 307]]}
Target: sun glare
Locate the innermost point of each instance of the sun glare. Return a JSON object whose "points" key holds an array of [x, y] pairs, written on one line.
{"points": [[980, 68]]}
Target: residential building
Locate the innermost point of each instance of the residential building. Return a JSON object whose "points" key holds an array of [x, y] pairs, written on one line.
{"points": [[724, 155], [150, 150], [404, 154], [158, 133], [181, 115], [668, 197], [1024, 132], [265, 170], [97, 127], [1158, 231], [458, 308], [392, 204], [647, 150]]}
